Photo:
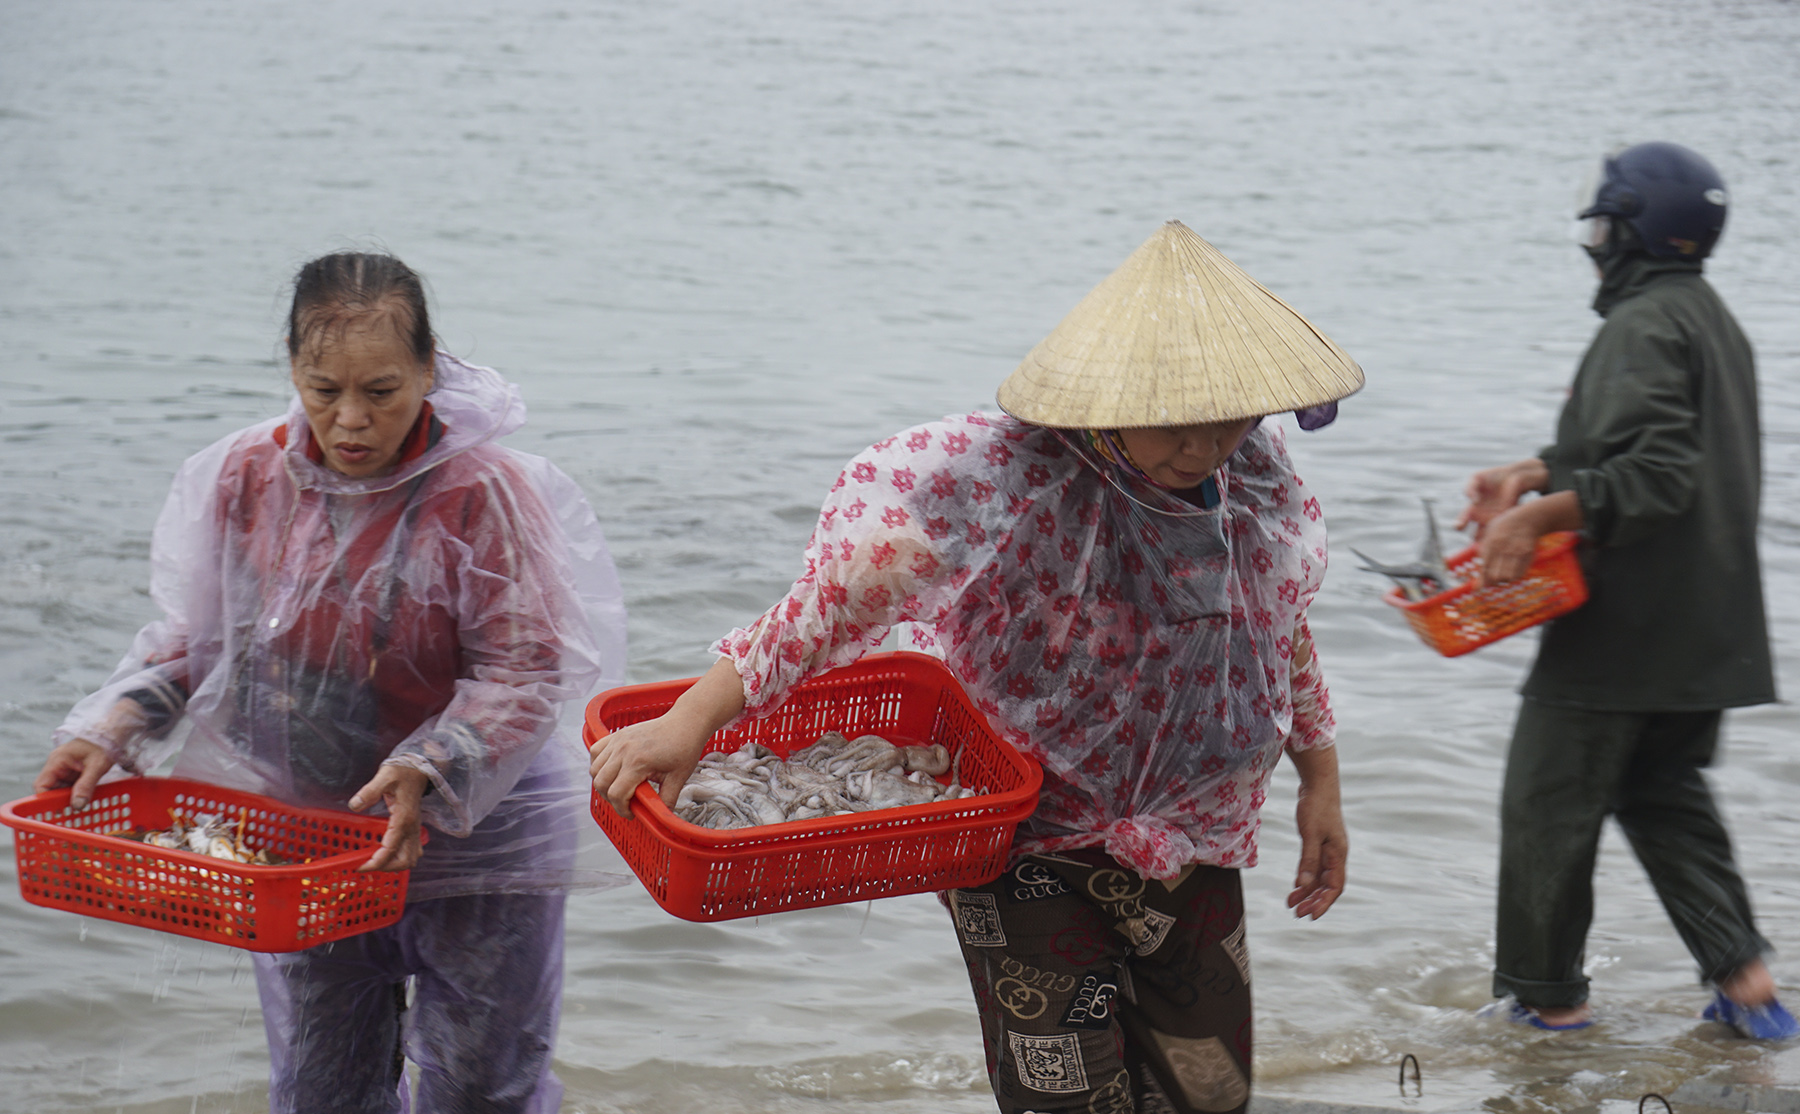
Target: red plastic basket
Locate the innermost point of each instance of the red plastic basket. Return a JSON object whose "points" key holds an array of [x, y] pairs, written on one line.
{"points": [[1469, 616], [66, 862], [704, 875]]}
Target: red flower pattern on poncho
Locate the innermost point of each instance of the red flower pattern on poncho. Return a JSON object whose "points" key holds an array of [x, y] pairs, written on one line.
{"points": [[1156, 664]]}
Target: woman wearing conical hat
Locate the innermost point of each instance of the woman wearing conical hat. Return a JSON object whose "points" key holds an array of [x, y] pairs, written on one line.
{"points": [[1118, 568]]}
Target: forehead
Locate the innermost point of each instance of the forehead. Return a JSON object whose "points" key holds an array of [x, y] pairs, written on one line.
{"points": [[1197, 427], [361, 351]]}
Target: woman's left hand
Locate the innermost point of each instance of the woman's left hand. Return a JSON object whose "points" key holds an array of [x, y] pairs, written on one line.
{"points": [[400, 788], [1324, 844], [1509, 542]]}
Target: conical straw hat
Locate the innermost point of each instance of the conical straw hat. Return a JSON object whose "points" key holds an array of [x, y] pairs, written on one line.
{"points": [[1178, 335]]}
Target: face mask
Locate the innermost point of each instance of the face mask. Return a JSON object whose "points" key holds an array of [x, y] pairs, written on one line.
{"points": [[1596, 237], [1591, 233]]}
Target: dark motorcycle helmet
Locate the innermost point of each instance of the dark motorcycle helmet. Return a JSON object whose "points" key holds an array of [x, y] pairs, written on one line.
{"points": [[1668, 195]]}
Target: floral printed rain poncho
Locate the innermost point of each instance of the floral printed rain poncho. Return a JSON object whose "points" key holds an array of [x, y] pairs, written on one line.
{"points": [[316, 625], [1153, 657]]}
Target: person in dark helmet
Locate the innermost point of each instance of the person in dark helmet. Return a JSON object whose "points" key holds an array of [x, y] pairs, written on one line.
{"points": [[1657, 461]]}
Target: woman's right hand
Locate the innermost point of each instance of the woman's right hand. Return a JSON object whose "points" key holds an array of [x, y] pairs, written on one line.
{"points": [[76, 763], [666, 749]]}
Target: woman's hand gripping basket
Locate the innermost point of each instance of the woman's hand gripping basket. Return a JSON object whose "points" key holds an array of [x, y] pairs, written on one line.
{"points": [[1469, 616], [704, 875], [67, 861]]}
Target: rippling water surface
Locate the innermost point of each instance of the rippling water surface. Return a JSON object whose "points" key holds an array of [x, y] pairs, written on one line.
{"points": [[723, 246]]}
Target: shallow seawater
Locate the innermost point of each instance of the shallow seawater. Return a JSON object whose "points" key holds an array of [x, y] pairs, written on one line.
{"points": [[722, 247]]}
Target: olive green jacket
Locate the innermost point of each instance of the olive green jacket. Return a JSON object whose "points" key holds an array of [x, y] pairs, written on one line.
{"points": [[1660, 441]]}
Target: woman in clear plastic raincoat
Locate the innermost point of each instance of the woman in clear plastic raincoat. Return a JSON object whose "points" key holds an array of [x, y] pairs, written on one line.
{"points": [[370, 602], [1118, 570]]}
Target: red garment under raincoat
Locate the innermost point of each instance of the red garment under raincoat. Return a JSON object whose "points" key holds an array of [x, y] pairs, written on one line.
{"points": [[318, 625], [1141, 649]]}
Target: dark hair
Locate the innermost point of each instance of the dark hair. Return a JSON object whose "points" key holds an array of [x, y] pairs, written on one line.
{"points": [[335, 291]]}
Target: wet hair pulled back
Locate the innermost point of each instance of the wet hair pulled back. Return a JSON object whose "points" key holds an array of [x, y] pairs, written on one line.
{"points": [[334, 292]]}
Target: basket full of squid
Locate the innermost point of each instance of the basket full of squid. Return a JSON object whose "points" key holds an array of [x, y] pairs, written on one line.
{"points": [[878, 779]]}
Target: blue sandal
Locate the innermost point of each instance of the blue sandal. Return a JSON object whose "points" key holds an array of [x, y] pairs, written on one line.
{"points": [[1512, 1010], [1767, 1022]]}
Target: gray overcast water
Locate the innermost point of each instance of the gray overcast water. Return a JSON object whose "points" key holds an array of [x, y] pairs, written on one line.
{"points": [[723, 246]]}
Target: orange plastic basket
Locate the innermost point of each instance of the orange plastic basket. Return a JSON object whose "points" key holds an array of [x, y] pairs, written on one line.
{"points": [[703, 875], [1468, 616], [67, 862]]}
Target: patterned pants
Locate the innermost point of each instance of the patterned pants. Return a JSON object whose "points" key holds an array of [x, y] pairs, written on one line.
{"points": [[1104, 992]]}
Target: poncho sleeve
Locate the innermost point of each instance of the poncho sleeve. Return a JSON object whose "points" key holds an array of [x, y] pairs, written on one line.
{"points": [[526, 648], [1314, 724], [154, 673], [903, 531]]}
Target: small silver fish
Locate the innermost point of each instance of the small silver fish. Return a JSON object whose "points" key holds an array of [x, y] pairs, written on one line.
{"points": [[1425, 577]]}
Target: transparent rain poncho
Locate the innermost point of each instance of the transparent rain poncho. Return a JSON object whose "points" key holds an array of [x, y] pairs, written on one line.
{"points": [[1153, 657], [316, 626]]}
